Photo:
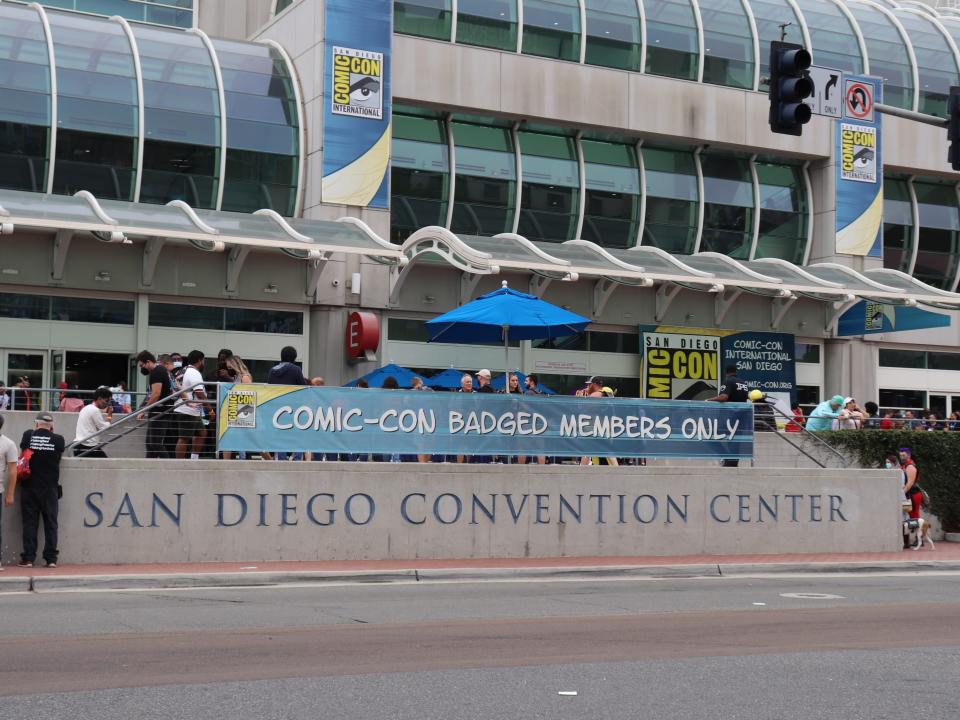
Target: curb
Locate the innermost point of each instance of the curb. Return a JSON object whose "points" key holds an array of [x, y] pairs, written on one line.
{"points": [[68, 583]]}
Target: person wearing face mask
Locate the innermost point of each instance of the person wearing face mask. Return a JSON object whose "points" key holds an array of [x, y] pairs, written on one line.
{"points": [[911, 487], [158, 383], [93, 418], [190, 409]]}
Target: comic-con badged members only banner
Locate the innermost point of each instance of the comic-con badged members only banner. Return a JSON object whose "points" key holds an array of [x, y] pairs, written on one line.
{"points": [[348, 420]]}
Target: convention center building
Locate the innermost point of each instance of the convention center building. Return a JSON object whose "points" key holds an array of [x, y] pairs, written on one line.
{"points": [[331, 174]]}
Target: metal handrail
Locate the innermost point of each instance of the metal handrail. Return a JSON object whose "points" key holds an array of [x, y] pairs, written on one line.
{"points": [[806, 434], [134, 417]]}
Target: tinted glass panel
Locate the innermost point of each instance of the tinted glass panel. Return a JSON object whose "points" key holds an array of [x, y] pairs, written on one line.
{"points": [[26, 307], [101, 164], [175, 13], [728, 206], [88, 310], [915, 399], [727, 43], [943, 361], [613, 34], [783, 212], [935, 63], [197, 317], [425, 18], [264, 321], [834, 41], [890, 357], [769, 16], [569, 342], [672, 45], [486, 180], [897, 224], [939, 234], [672, 200], [807, 352], [612, 209], [888, 54], [611, 342], [551, 28], [551, 181], [420, 175], [487, 23]]}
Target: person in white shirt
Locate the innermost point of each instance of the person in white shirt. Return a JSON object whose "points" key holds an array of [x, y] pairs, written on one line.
{"points": [[4, 398], [8, 471], [189, 409], [93, 418]]}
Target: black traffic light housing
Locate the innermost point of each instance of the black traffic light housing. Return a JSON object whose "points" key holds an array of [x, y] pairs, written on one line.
{"points": [[790, 85], [953, 127]]}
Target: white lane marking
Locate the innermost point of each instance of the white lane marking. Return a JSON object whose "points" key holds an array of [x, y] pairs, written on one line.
{"points": [[759, 603], [568, 693], [812, 596]]}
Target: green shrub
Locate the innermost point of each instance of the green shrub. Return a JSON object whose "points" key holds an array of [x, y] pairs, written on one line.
{"points": [[937, 454]]}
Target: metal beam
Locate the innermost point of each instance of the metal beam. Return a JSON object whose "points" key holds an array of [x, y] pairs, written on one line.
{"points": [[779, 308], [603, 289], [235, 260], [722, 304], [316, 270], [61, 248], [151, 255], [468, 285], [666, 294], [539, 285]]}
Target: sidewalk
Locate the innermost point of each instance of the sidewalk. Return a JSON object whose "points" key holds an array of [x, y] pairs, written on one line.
{"points": [[946, 557]]}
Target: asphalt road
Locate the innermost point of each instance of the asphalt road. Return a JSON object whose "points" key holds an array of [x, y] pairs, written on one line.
{"points": [[775, 647]]}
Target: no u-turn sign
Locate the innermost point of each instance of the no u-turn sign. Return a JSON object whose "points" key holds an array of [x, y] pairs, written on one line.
{"points": [[858, 101]]}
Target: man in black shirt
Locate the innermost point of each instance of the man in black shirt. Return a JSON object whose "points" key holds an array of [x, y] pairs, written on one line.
{"points": [[158, 384], [733, 390], [286, 372], [40, 493]]}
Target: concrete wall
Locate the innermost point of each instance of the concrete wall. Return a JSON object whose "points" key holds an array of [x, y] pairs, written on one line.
{"points": [[121, 511]]}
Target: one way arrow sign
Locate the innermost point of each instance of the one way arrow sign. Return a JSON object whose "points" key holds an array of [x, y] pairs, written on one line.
{"points": [[827, 98]]}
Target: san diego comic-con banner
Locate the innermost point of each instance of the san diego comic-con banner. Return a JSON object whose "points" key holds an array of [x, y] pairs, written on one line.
{"points": [[680, 363], [362, 421], [859, 180], [357, 100]]}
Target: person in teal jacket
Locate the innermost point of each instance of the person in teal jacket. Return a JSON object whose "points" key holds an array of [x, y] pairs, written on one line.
{"points": [[825, 413]]}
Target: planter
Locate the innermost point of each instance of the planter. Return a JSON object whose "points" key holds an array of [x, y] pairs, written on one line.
{"points": [[952, 537]]}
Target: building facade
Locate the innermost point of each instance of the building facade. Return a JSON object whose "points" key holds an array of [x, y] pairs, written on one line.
{"points": [[635, 128]]}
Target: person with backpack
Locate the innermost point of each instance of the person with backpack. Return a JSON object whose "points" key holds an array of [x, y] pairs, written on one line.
{"points": [[38, 475]]}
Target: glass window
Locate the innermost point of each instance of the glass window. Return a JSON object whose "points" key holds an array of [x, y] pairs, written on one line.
{"points": [[914, 359], [905, 399], [936, 65], [90, 310], [175, 13], [262, 129], [407, 330], [423, 18], [25, 110], [672, 200], [769, 16], [420, 175], [613, 34], [256, 320], [728, 205], [282, 5], [551, 187], [196, 317], [577, 341], [943, 361], [939, 234], [834, 40], [24, 307], [486, 180], [783, 212], [808, 397], [97, 122], [889, 57], [807, 352], [613, 193], [488, 23], [672, 44], [551, 28], [727, 44], [611, 342], [897, 224]]}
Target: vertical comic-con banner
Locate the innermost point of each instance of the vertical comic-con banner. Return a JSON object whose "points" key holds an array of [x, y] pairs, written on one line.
{"points": [[859, 184], [688, 363], [356, 118]]}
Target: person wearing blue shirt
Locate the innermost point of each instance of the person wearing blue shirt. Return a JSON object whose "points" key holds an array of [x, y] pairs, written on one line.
{"points": [[825, 413]]}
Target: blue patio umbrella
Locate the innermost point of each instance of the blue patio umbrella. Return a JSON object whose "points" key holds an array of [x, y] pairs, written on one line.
{"points": [[375, 379], [504, 315], [449, 379]]}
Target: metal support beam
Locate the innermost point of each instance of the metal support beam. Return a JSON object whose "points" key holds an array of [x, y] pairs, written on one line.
{"points": [[539, 285], [835, 309], [779, 308], [468, 285], [911, 115], [398, 276], [151, 254], [602, 291], [235, 260], [61, 248], [722, 304], [316, 270], [666, 294]]}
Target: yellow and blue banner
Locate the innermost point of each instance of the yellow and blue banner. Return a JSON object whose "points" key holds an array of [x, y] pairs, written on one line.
{"points": [[357, 102], [386, 422], [871, 318], [859, 175]]}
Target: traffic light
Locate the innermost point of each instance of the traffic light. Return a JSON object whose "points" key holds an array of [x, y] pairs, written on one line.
{"points": [[953, 127], [789, 86]]}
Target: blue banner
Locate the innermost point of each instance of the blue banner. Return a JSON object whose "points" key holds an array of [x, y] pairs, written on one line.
{"points": [[871, 318], [859, 179], [765, 361], [363, 421], [356, 118]]}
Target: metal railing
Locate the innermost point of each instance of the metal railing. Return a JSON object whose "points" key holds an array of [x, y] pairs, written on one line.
{"points": [[51, 399], [808, 443]]}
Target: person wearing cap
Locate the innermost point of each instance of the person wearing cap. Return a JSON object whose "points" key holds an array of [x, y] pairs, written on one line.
{"points": [[8, 471], [483, 382], [40, 493], [825, 413], [593, 387], [852, 416]]}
